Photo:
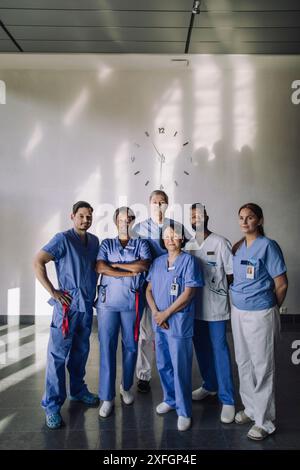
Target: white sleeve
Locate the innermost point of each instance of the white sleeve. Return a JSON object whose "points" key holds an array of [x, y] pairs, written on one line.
{"points": [[227, 256]]}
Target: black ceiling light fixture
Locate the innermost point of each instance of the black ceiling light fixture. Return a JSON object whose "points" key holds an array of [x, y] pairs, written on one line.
{"points": [[195, 11], [2, 25]]}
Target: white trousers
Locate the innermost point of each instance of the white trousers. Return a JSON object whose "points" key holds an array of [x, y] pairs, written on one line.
{"points": [[254, 335], [146, 346]]}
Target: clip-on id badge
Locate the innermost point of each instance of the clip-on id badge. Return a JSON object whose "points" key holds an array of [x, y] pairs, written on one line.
{"points": [[174, 288], [250, 271]]}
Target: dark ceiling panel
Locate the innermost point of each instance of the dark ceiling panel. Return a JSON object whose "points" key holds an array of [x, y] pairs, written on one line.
{"points": [[7, 46], [251, 5], [52, 33], [173, 5], [3, 34], [98, 33], [94, 18], [248, 19], [152, 26], [147, 18], [104, 47], [246, 48]]}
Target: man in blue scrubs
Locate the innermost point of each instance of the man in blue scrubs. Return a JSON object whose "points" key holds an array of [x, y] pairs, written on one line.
{"points": [[151, 230], [74, 253]]}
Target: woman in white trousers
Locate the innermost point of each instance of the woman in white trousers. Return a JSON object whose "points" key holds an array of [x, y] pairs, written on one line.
{"points": [[258, 290]]}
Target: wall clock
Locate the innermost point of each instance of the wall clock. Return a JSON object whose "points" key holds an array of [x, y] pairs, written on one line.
{"points": [[168, 149]]}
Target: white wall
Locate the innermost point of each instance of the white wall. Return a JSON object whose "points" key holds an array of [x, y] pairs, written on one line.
{"points": [[70, 124]]}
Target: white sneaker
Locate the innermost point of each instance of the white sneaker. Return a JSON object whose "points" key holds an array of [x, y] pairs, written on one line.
{"points": [[201, 393], [242, 418], [258, 434], [183, 423], [127, 396], [106, 408], [228, 413], [163, 408]]}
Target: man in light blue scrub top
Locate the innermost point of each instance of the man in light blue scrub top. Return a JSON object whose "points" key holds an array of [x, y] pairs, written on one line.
{"points": [[74, 253]]}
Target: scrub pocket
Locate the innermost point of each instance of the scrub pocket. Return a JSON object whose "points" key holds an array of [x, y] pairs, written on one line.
{"points": [[181, 324], [116, 297], [102, 294], [57, 316]]}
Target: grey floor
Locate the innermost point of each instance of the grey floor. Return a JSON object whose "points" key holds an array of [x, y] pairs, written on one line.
{"points": [[22, 368]]}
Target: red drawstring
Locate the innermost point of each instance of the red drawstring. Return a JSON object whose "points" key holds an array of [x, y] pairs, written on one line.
{"points": [[65, 322], [137, 317]]}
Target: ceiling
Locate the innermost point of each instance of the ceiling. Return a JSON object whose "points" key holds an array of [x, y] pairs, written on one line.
{"points": [[150, 26]]}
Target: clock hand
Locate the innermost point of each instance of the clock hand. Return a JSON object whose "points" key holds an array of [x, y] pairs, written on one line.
{"points": [[160, 155], [161, 168], [162, 161]]}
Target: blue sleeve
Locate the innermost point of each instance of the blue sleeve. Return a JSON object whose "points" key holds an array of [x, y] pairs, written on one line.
{"points": [[193, 274], [103, 251], [145, 252], [151, 272], [274, 260], [56, 246], [136, 231]]}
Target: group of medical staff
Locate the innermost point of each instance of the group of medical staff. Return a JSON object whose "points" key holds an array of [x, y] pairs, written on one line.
{"points": [[168, 293]]}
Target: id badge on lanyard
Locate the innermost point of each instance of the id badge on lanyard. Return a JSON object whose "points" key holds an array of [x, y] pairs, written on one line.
{"points": [[174, 288], [250, 271]]}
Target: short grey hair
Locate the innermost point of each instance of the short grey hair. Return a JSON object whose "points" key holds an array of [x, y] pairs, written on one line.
{"points": [[159, 192]]}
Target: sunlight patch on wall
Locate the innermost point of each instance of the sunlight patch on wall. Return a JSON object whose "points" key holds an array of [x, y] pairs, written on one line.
{"points": [[207, 121], [33, 141], [244, 121], [13, 302], [89, 190], [77, 107], [104, 72], [121, 174], [169, 143]]}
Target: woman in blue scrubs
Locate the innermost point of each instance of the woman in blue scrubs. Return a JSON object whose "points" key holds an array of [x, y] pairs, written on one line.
{"points": [[173, 280], [122, 263], [258, 290]]}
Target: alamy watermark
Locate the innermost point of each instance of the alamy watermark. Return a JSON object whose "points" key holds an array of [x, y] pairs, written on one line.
{"points": [[295, 96], [296, 354]]}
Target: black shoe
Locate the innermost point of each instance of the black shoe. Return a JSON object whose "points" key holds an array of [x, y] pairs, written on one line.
{"points": [[143, 386]]}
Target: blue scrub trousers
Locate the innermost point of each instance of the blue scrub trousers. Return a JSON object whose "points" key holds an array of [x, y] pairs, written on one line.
{"points": [[213, 358], [174, 357], [109, 323], [71, 352]]}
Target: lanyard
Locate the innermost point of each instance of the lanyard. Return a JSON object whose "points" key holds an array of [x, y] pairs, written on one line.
{"points": [[137, 317], [65, 323]]}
